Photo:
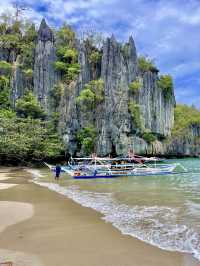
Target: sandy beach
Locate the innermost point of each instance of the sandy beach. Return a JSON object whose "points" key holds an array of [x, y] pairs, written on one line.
{"points": [[39, 227]]}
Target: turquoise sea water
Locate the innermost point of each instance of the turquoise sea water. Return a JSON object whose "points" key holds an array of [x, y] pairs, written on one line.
{"points": [[161, 210]]}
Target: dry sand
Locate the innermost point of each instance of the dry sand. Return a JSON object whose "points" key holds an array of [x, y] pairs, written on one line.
{"points": [[6, 186], [65, 234], [4, 176]]}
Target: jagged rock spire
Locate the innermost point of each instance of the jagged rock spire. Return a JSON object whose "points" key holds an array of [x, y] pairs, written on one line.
{"points": [[45, 33], [131, 42], [113, 38]]}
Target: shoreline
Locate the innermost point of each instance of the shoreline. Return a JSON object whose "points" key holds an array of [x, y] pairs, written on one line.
{"points": [[60, 229]]}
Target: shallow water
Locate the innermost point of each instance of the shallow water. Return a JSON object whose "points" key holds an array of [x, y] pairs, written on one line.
{"points": [[161, 210]]}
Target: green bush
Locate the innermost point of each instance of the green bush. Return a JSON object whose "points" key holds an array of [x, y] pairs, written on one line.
{"points": [[61, 66], [86, 98], [4, 92], [27, 49], [4, 82], [28, 140], [65, 35], [92, 94], [30, 33], [134, 110], [11, 41], [95, 57], [135, 86], [86, 139], [7, 114], [5, 98], [165, 83], [27, 56], [55, 119], [71, 55], [146, 64], [73, 71], [28, 106], [56, 93], [149, 137], [5, 67], [28, 73], [67, 55]]}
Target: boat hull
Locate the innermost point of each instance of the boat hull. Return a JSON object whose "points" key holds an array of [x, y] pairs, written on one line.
{"points": [[127, 175]]}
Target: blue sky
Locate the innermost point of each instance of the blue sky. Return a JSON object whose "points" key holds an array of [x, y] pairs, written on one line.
{"points": [[165, 30]]}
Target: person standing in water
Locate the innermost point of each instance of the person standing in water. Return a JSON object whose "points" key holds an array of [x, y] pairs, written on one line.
{"points": [[58, 171]]}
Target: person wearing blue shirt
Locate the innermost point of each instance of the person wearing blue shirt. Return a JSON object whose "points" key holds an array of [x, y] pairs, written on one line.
{"points": [[58, 171]]}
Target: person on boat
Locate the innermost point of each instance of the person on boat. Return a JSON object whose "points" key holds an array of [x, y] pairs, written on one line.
{"points": [[58, 171]]}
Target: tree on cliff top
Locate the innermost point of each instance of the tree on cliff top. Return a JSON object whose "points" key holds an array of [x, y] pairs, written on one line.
{"points": [[165, 83], [146, 64], [67, 55]]}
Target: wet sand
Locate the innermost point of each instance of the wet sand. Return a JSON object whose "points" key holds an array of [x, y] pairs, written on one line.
{"points": [[61, 232]]}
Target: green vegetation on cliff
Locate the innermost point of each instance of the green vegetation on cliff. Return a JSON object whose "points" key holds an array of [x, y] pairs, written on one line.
{"points": [[134, 110], [56, 94], [135, 86], [5, 68], [149, 137], [67, 56], [91, 95], [145, 64], [69, 102], [86, 139], [185, 117], [28, 107], [165, 83], [95, 56], [25, 134]]}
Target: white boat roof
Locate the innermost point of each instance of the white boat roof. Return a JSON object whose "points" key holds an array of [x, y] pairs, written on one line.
{"points": [[109, 159]]}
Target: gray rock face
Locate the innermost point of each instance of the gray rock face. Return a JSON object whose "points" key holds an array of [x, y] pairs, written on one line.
{"points": [[45, 33], [19, 83], [8, 55], [157, 111], [119, 68], [112, 120], [68, 124], [187, 145], [44, 74], [71, 118], [4, 55]]}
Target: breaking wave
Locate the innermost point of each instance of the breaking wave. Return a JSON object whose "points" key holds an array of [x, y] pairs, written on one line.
{"points": [[155, 225]]}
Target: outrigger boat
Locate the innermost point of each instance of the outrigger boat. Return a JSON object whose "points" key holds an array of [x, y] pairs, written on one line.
{"points": [[95, 167]]}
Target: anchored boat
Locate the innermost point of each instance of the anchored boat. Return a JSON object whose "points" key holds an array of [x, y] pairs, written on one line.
{"points": [[96, 167]]}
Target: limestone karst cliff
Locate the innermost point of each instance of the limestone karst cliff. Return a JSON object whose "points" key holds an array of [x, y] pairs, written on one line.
{"points": [[116, 129], [44, 75], [187, 145], [120, 104]]}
